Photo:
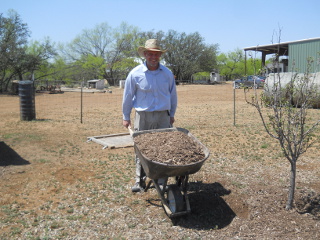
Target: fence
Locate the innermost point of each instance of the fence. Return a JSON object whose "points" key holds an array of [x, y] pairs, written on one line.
{"points": [[81, 104], [97, 107]]}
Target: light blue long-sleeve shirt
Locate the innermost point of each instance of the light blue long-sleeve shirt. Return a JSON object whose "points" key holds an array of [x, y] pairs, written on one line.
{"points": [[149, 91]]}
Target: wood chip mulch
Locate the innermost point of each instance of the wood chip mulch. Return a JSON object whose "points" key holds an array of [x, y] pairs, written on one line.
{"points": [[173, 147]]}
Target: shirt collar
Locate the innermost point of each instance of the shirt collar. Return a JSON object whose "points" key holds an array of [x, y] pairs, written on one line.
{"points": [[145, 68]]}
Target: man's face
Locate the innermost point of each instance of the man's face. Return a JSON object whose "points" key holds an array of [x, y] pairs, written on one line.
{"points": [[153, 59]]}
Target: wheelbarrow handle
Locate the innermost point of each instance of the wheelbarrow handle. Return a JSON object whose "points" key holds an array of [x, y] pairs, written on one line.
{"points": [[130, 130]]}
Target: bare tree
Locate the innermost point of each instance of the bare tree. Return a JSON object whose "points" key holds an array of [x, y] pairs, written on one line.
{"points": [[283, 108], [96, 42], [103, 41]]}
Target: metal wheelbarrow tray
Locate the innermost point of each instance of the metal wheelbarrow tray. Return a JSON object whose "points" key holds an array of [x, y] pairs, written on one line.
{"points": [[174, 197]]}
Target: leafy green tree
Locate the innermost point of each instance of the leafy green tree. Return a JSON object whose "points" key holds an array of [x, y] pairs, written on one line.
{"points": [[208, 58], [122, 68], [13, 39], [231, 65], [58, 70], [37, 54], [253, 66], [18, 58], [184, 53], [222, 60], [94, 66], [201, 76]]}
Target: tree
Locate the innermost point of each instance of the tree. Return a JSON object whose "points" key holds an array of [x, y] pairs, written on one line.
{"points": [[96, 42], [254, 65], [18, 59], [208, 58], [124, 51], [231, 64], [87, 54], [58, 69], [184, 53], [94, 67], [36, 54], [122, 68], [13, 40], [104, 42], [283, 109]]}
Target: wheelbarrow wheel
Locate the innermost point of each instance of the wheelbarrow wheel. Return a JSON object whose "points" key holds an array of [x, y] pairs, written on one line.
{"points": [[175, 199]]}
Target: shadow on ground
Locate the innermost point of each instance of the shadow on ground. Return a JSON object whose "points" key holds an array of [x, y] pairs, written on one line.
{"points": [[208, 209], [10, 157]]}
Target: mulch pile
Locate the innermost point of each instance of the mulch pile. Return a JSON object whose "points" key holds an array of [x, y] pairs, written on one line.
{"points": [[173, 148], [309, 202]]}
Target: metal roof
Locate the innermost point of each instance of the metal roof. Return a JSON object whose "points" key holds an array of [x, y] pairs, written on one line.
{"points": [[95, 80], [280, 48]]}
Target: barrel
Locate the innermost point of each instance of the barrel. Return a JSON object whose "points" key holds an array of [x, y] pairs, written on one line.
{"points": [[27, 101]]}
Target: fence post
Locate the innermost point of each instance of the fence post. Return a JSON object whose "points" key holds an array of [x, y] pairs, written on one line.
{"points": [[81, 101], [234, 106]]}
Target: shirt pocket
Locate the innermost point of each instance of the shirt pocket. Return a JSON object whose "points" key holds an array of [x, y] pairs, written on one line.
{"points": [[163, 86]]}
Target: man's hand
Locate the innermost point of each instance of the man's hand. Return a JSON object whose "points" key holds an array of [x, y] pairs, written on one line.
{"points": [[126, 123], [171, 120]]}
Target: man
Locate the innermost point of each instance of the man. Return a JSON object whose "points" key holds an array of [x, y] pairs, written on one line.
{"points": [[151, 90]]}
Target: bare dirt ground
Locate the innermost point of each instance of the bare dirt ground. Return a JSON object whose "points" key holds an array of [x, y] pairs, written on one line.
{"points": [[56, 185]]}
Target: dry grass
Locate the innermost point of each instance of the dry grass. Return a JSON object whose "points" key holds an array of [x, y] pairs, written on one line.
{"points": [[55, 185]]}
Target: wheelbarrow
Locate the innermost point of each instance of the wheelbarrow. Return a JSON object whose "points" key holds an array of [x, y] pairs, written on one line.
{"points": [[174, 197]]}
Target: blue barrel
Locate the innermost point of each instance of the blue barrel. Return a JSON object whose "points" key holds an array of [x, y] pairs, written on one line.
{"points": [[27, 100]]}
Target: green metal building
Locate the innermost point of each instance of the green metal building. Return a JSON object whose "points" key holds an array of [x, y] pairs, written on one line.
{"points": [[292, 56]]}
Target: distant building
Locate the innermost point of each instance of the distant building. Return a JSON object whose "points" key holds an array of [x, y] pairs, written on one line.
{"points": [[291, 56], [96, 83]]}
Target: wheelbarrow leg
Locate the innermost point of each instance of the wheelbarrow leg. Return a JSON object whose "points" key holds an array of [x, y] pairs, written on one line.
{"points": [[161, 187], [148, 185], [161, 193], [184, 187]]}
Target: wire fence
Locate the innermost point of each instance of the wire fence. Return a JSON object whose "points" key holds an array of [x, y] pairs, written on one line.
{"points": [[76, 102], [80, 103]]}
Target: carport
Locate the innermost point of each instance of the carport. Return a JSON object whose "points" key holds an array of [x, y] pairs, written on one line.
{"points": [[300, 51], [281, 49]]}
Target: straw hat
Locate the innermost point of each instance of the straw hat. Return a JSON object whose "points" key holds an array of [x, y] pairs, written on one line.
{"points": [[150, 45]]}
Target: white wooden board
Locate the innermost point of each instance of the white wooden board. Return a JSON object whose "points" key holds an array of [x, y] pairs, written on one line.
{"points": [[118, 140]]}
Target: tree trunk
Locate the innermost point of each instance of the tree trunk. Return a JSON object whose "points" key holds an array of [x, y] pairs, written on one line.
{"points": [[292, 185]]}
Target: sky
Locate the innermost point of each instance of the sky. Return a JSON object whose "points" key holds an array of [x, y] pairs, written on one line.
{"points": [[231, 24]]}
